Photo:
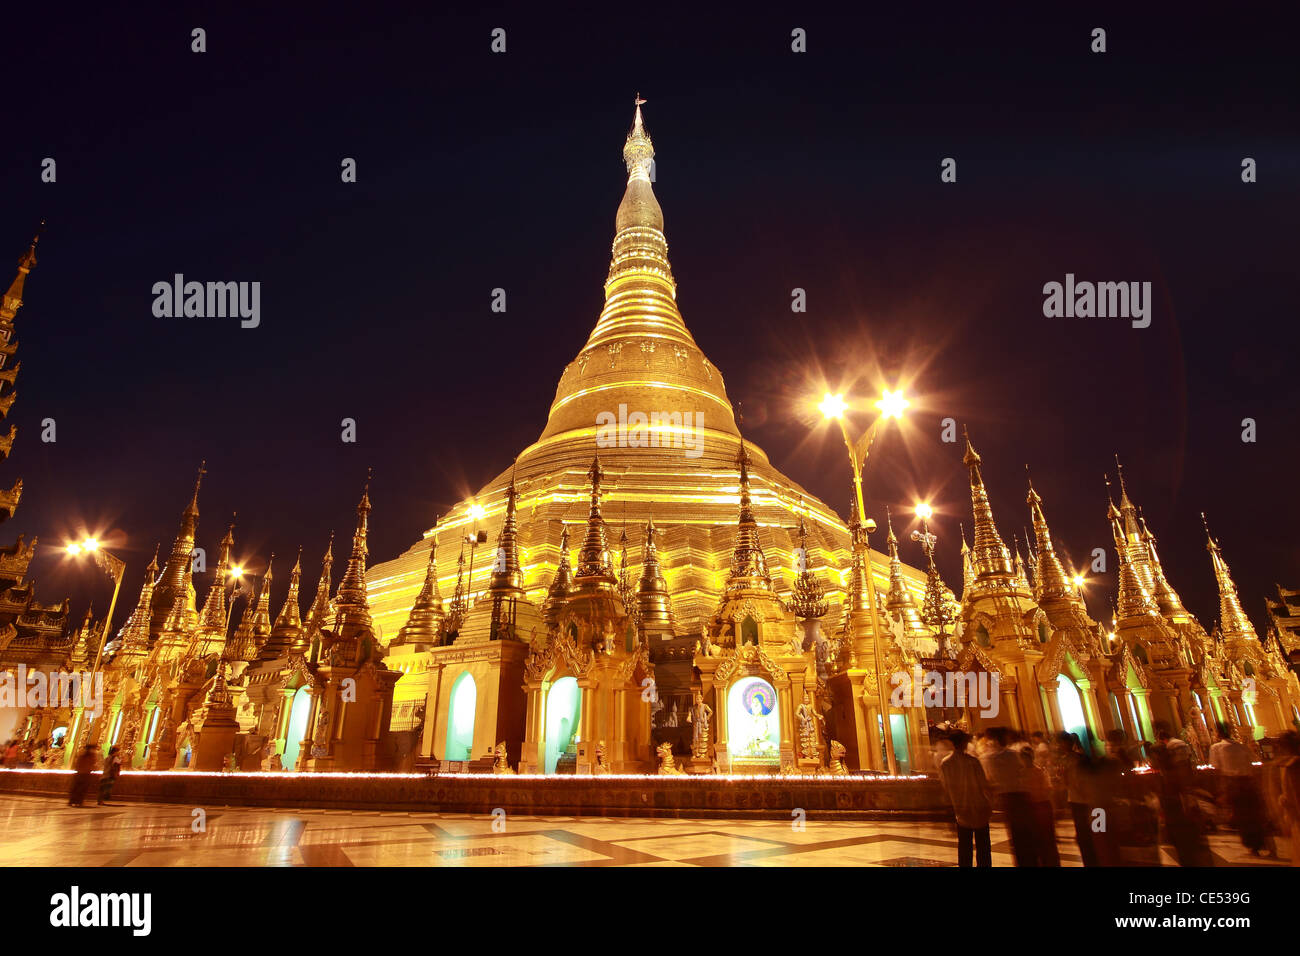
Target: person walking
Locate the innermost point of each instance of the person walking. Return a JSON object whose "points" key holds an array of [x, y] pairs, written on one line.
{"points": [[83, 768], [112, 768], [1240, 791], [1005, 772], [1043, 816], [969, 792]]}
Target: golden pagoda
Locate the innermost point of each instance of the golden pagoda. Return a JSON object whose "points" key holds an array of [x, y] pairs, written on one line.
{"points": [[643, 395]]}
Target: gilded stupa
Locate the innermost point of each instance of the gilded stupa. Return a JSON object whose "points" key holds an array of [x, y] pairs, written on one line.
{"points": [[642, 395]]}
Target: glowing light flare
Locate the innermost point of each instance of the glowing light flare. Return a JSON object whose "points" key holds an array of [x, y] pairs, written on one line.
{"points": [[833, 406], [924, 511], [892, 404], [1079, 581], [477, 511]]}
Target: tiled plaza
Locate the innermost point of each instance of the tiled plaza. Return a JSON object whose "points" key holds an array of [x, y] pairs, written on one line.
{"points": [[38, 831]]}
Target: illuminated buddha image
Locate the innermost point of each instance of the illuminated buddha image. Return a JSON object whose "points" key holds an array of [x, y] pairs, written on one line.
{"points": [[753, 726]]}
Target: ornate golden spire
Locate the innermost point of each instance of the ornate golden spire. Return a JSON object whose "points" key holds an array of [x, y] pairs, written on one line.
{"points": [[653, 603], [506, 573], [1053, 583], [319, 614], [286, 633], [179, 563], [424, 626], [1134, 599], [900, 602], [967, 569], [808, 600], [213, 616], [352, 607], [595, 565], [13, 299], [261, 616], [640, 347], [1233, 623], [1170, 604], [134, 637], [1133, 540], [990, 556], [561, 585], [748, 563]]}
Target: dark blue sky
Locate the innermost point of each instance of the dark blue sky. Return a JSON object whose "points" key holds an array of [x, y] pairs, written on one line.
{"points": [[775, 171]]}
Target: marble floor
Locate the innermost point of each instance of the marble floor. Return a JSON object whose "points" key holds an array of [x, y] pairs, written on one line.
{"points": [[38, 831]]}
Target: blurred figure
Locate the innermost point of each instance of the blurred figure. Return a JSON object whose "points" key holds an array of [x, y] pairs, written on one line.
{"points": [[1129, 829], [112, 768], [969, 792], [1171, 758], [1040, 802], [13, 753], [1240, 791], [1077, 775], [84, 767], [1284, 789], [942, 748], [1002, 766]]}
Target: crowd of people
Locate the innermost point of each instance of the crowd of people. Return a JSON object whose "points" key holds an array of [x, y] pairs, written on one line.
{"points": [[1125, 803], [43, 754]]}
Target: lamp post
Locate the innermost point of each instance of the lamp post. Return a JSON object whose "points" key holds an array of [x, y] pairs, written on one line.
{"points": [[891, 405], [113, 566]]}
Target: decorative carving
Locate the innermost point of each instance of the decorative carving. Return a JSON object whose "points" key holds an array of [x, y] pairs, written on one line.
{"points": [[666, 765], [500, 764], [700, 715], [837, 759]]}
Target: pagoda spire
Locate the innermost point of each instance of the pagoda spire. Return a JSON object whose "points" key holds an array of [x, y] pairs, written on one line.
{"points": [[286, 632], [506, 573], [561, 584], [1134, 599], [640, 337], [213, 616], [899, 600], [808, 600], [594, 561], [424, 624], [967, 568], [1170, 604], [990, 556], [654, 606], [134, 636], [352, 606], [318, 615], [748, 563], [1233, 622], [180, 561], [1053, 582], [13, 299]]}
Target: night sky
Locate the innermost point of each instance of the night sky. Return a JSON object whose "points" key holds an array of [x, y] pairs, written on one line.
{"points": [[775, 170]]}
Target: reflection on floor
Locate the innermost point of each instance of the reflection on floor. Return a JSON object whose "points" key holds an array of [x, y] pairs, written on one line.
{"points": [[36, 831]]}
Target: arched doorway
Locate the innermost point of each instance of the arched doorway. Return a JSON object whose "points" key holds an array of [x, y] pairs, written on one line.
{"points": [[299, 711], [1074, 718], [460, 718], [753, 722], [563, 708]]}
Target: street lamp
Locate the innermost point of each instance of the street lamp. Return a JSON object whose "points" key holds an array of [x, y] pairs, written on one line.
{"points": [[890, 405], [111, 565]]}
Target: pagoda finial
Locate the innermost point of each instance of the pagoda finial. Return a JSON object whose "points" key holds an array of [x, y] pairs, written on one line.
{"points": [[1233, 622], [989, 554], [638, 151]]}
